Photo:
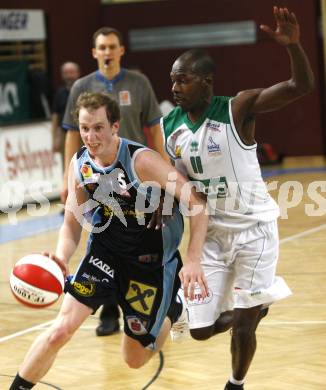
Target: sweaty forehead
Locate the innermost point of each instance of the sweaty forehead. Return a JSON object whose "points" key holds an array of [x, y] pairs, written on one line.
{"points": [[182, 67]]}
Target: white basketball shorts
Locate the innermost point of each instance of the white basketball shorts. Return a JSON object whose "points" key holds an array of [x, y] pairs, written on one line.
{"points": [[240, 270]]}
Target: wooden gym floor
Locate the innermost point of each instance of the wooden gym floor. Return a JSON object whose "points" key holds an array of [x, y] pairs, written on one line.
{"points": [[291, 351]]}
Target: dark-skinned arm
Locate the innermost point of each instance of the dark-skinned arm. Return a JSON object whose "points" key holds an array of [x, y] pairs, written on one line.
{"points": [[151, 167], [251, 102]]}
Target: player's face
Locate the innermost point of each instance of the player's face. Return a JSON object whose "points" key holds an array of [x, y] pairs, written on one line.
{"points": [[70, 73], [97, 133], [189, 89], [108, 51]]}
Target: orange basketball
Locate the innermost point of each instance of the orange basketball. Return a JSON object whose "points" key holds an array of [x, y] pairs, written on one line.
{"points": [[36, 281]]}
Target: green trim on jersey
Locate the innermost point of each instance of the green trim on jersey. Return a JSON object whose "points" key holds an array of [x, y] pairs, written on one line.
{"points": [[173, 120], [217, 110]]}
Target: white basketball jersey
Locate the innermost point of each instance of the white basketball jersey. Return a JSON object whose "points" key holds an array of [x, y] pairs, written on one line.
{"points": [[214, 157]]}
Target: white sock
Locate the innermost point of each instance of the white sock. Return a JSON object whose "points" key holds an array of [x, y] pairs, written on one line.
{"points": [[236, 382]]}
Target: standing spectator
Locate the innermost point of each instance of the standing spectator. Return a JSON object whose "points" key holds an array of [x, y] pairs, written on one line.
{"points": [[139, 109], [70, 72]]}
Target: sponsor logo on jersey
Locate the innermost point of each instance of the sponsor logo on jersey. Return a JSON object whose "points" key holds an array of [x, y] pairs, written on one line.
{"points": [[124, 98], [254, 293], [102, 266], [86, 171], [173, 137], [90, 179], [136, 325], [214, 126], [92, 278], [212, 146], [141, 297], [194, 146], [150, 258], [177, 151], [198, 298], [128, 212], [85, 289]]}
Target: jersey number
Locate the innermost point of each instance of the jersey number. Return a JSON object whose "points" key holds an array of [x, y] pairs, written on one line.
{"points": [[122, 181], [196, 164]]}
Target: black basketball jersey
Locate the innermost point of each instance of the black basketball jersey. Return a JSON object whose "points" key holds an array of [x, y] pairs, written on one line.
{"points": [[123, 206]]}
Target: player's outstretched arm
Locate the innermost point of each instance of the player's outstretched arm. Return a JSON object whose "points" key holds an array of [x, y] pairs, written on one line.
{"points": [[287, 34], [151, 167]]}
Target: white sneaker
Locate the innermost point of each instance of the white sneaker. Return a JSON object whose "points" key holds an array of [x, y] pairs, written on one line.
{"points": [[180, 329]]}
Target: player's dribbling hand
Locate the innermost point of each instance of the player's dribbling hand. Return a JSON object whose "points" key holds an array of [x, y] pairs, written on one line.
{"points": [[61, 263], [192, 276], [287, 27]]}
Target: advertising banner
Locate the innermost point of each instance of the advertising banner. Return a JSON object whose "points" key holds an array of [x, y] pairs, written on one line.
{"points": [[29, 171], [22, 25], [14, 93]]}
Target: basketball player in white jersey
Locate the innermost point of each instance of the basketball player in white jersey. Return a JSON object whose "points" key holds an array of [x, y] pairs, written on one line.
{"points": [[211, 139]]}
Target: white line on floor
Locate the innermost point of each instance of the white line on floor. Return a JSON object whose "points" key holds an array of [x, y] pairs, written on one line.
{"points": [[273, 323], [303, 234], [28, 330], [267, 323]]}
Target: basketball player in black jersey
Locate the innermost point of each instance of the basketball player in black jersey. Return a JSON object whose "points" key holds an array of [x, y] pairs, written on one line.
{"points": [[121, 182]]}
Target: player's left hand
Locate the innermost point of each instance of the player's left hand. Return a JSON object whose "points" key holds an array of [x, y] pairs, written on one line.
{"points": [[159, 220], [192, 275], [156, 222], [287, 27]]}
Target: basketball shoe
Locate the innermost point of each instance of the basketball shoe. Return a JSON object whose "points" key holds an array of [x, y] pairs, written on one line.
{"points": [[231, 386], [180, 329]]}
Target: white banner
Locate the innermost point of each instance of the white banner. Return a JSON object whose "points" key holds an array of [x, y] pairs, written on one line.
{"points": [[29, 171], [22, 25]]}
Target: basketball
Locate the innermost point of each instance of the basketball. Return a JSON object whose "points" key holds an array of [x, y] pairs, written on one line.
{"points": [[36, 281]]}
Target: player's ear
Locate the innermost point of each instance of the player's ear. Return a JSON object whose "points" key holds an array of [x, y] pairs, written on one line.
{"points": [[115, 128], [122, 50], [94, 53]]}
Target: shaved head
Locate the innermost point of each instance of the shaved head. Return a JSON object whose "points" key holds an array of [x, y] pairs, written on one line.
{"points": [[197, 61]]}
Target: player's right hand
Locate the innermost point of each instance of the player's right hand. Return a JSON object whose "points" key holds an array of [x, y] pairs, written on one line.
{"points": [[61, 263], [287, 27], [191, 276]]}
